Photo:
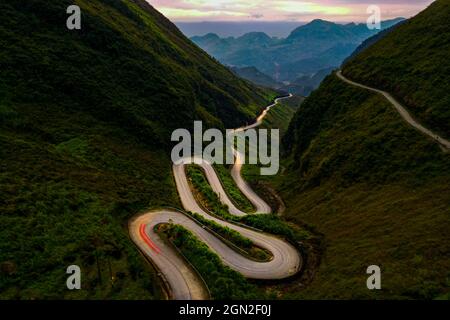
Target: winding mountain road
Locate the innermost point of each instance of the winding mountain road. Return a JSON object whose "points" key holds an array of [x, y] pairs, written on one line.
{"points": [[182, 280], [402, 111]]}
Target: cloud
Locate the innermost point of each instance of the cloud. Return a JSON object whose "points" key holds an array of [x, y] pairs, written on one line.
{"points": [[176, 13], [279, 10], [293, 7], [257, 16]]}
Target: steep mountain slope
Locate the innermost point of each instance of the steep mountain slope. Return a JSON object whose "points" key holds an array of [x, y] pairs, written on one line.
{"points": [[252, 74], [85, 124], [237, 52], [130, 61], [309, 48], [212, 44], [255, 38], [375, 187], [305, 85], [412, 64], [372, 40], [329, 59]]}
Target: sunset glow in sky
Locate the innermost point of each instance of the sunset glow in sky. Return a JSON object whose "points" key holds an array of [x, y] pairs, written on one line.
{"points": [[284, 10]]}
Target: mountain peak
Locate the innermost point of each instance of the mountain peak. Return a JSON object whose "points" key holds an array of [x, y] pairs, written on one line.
{"points": [[316, 28], [211, 36], [255, 36], [319, 21]]}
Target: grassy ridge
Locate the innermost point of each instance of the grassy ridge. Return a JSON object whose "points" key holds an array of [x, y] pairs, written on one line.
{"points": [[205, 194], [223, 282], [270, 223], [229, 234], [280, 116], [377, 189], [412, 64], [232, 190], [245, 245]]}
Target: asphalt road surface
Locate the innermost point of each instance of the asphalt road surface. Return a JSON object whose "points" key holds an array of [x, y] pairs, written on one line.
{"points": [[402, 111], [183, 282]]}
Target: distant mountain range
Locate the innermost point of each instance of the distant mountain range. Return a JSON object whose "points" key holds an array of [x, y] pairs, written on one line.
{"points": [[257, 77], [308, 49], [301, 86], [224, 29], [304, 85]]}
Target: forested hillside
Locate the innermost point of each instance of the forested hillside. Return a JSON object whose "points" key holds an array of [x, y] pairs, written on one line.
{"points": [[374, 186], [412, 64], [85, 123]]}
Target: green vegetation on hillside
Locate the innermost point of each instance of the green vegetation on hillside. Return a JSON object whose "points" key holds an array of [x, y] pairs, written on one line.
{"points": [[85, 124], [232, 190], [223, 282], [127, 65], [227, 233], [281, 115], [376, 188], [270, 223], [65, 197], [205, 195], [234, 239], [412, 64]]}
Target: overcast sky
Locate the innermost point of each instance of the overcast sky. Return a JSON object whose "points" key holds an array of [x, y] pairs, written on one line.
{"points": [[284, 10]]}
